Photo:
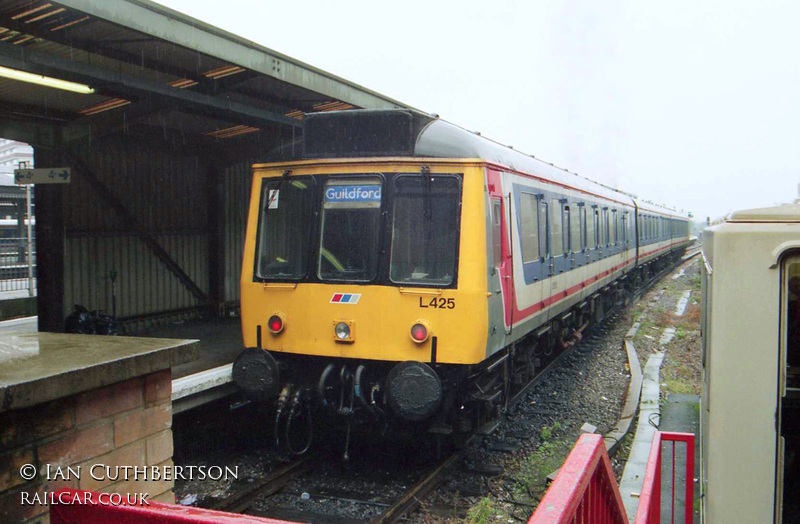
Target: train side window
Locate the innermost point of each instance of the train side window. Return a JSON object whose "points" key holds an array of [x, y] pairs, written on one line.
{"points": [[641, 227], [529, 227], [584, 229], [556, 235], [567, 232], [575, 229], [624, 228], [596, 240], [614, 236], [544, 232], [497, 233], [792, 309]]}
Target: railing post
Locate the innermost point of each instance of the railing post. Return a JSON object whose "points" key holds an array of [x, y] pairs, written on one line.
{"points": [[30, 239], [689, 509]]}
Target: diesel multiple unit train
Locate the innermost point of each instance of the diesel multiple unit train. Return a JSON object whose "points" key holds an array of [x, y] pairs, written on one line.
{"points": [[407, 271]]}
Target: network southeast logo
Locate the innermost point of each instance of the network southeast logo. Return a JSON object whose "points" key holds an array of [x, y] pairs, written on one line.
{"points": [[345, 298]]}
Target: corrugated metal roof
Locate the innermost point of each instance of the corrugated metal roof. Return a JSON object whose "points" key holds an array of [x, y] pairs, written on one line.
{"points": [[133, 53]]}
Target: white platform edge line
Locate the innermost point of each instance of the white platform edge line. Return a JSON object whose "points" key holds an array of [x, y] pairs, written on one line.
{"points": [[197, 382]]}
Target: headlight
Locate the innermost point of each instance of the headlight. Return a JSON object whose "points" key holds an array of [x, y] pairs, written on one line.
{"points": [[342, 331]]}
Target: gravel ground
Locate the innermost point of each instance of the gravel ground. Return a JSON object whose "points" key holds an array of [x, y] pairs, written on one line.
{"points": [[681, 371], [587, 386]]}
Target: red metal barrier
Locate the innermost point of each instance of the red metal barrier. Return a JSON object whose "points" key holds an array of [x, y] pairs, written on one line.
{"points": [[649, 511], [70, 506], [584, 490]]}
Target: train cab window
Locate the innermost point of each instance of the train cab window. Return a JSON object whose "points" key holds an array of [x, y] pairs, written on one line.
{"points": [[425, 229], [283, 228], [351, 212], [529, 227], [574, 229]]}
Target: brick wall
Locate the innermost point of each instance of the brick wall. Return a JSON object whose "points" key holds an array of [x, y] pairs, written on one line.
{"points": [[124, 424]]}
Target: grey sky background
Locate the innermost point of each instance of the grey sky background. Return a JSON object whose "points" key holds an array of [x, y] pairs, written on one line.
{"points": [[692, 104]]}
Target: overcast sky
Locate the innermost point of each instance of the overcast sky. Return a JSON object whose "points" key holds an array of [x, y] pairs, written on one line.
{"points": [[693, 104]]}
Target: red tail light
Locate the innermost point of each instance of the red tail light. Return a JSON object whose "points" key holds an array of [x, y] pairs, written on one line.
{"points": [[275, 324], [419, 333]]}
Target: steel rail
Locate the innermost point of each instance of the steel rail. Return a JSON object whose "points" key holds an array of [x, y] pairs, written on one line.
{"points": [[409, 500], [240, 501]]}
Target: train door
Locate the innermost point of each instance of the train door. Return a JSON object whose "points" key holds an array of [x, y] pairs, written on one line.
{"points": [[787, 475], [625, 237], [501, 252], [597, 240], [544, 239]]}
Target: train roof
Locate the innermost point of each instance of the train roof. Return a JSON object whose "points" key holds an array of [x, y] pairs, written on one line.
{"points": [[404, 132], [783, 213]]}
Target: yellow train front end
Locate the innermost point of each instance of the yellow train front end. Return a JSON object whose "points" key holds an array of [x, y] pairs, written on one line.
{"points": [[364, 284]]}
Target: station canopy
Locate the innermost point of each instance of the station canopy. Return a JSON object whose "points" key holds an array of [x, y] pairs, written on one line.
{"points": [[136, 68]]}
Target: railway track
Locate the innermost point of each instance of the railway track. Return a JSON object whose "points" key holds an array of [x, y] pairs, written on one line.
{"points": [[243, 501], [412, 497]]}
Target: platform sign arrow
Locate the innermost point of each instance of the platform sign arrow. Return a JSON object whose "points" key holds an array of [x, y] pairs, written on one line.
{"points": [[45, 175]]}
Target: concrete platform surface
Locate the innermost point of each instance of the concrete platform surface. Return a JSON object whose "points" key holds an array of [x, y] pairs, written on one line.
{"points": [[630, 485], [681, 414], [219, 342], [38, 367]]}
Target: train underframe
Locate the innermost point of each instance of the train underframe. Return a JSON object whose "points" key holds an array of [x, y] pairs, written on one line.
{"points": [[380, 397]]}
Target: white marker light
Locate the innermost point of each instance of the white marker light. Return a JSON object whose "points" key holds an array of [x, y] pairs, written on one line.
{"points": [[342, 331]]}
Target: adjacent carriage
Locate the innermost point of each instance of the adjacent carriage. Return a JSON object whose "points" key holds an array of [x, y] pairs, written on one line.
{"points": [[750, 419]]}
